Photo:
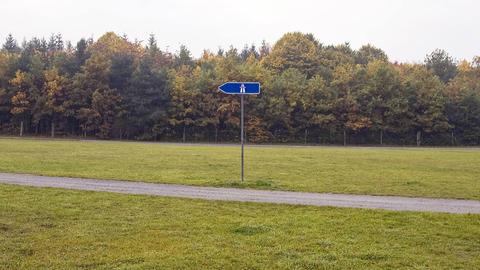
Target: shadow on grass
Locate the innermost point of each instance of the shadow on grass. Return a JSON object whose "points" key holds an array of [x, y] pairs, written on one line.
{"points": [[249, 230]]}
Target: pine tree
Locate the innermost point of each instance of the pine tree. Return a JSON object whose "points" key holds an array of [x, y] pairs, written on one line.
{"points": [[11, 45]]}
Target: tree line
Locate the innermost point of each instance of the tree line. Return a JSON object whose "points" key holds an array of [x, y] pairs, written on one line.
{"points": [[311, 93]]}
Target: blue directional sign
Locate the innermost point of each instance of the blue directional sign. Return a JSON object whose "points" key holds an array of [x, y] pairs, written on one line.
{"points": [[252, 88], [241, 88]]}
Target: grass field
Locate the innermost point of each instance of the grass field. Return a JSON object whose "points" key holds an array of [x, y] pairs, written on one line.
{"points": [[428, 172], [59, 229]]}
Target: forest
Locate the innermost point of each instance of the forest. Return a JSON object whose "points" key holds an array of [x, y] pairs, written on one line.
{"points": [[312, 93]]}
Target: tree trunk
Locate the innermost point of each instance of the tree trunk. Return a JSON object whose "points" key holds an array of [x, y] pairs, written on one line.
{"points": [[183, 136], [419, 138], [344, 137], [452, 139], [52, 134], [306, 135], [216, 133], [381, 137], [21, 128]]}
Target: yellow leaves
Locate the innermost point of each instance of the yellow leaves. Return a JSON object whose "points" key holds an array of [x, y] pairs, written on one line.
{"points": [[110, 44], [256, 130], [343, 75], [19, 79], [97, 69], [4, 59], [52, 87], [206, 57], [466, 80], [20, 99], [293, 50], [52, 81], [20, 103], [375, 66], [464, 66], [252, 70], [180, 83], [357, 122], [51, 74], [251, 60], [197, 72]]}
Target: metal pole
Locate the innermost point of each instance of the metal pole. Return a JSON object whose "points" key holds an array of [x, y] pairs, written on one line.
{"points": [[241, 132]]}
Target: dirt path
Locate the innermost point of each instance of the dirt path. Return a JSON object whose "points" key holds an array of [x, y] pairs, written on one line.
{"points": [[248, 195]]}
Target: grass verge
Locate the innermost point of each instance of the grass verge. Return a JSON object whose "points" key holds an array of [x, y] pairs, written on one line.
{"points": [[60, 229], [426, 172]]}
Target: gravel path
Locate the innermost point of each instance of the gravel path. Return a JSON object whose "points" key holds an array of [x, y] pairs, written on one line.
{"points": [[247, 195]]}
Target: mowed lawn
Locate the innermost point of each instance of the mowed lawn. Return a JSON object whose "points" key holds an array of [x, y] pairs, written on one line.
{"points": [[428, 172], [61, 229]]}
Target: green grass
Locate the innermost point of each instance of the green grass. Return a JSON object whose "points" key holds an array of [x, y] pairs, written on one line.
{"points": [[60, 229], [428, 172]]}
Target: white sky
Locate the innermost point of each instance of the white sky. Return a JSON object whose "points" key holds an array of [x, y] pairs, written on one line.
{"points": [[406, 29]]}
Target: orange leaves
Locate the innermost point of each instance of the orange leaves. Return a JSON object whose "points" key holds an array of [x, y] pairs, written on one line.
{"points": [[256, 131]]}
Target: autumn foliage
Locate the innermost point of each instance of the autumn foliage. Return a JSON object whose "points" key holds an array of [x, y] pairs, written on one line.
{"points": [[311, 93]]}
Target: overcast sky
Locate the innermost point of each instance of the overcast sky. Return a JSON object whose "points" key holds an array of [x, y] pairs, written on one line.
{"points": [[406, 29]]}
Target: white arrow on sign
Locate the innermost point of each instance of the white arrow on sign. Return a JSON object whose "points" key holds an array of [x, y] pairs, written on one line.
{"points": [[242, 88]]}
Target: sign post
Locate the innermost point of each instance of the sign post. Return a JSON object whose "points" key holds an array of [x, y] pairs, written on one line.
{"points": [[242, 133], [242, 89]]}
